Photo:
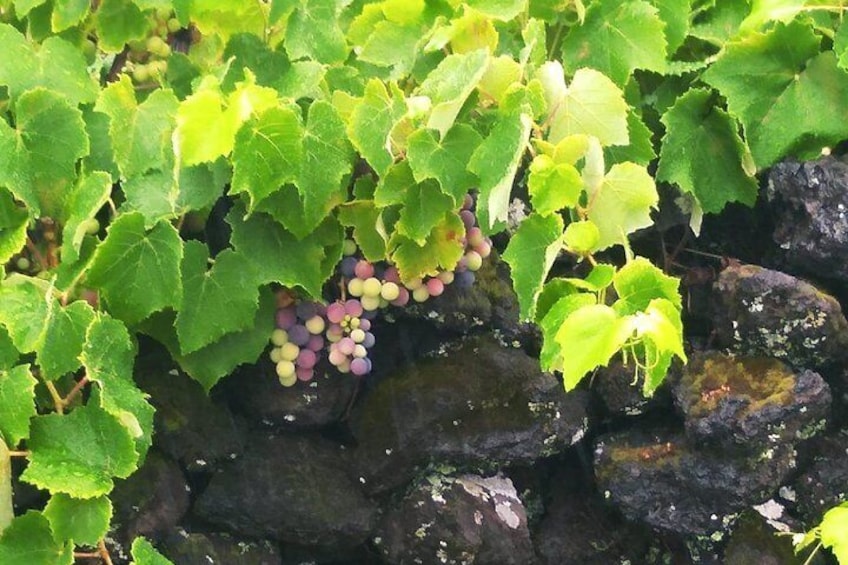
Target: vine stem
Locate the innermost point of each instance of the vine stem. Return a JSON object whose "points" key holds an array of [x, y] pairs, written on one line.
{"points": [[23, 453], [36, 253], [104, 553], [58, 401], [75, 391]]}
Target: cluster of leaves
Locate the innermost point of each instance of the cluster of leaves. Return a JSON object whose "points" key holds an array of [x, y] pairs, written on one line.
{"points": [[306, 120]]}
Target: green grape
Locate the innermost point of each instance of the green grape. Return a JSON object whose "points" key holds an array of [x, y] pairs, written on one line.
{"points": [[141, 73], [371, 287], [289, 351], [23, 264], [174, 25], [349, 247], [91, 226], [279, 337], [390, 291], [285, 369]]}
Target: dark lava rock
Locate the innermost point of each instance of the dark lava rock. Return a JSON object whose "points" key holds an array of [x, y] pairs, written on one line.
{"points": [[483, 405], [810, 202], [257, 394], [184, 548], [153, 499], [763, 312], [190, 426], [613, 385], [663, 482], [290, 488], [754, 541], [578, 528], [734, 401], [453, 520], [824, 484]]}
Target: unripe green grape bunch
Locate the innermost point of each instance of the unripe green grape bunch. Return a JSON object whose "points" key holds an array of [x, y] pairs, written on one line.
{"points": [[342, 330]]}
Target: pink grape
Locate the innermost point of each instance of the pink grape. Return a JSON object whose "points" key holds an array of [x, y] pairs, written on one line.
{"points": [[364, 269], [316, 343], [402, 299], [286, 318], [391, 275], [334, 333], [475, 237], [337, 357], [435, 287], [353, 308], [468, 202], [306, 359], [346, 346], [304, 374], [468, 219], [299, 335], [484, 249], [336, 312], [473, 261], [359, 367]]}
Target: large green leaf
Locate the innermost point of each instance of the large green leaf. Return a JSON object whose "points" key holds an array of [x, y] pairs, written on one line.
{"points": [[85, 521], [29, 541], [313, 31], [79, 453], [450, 84], [138, 270], [117, 23], [617, 37], [442, 249], [369, 232], [639, 282], [143, 553], [715, 174], [531, 253], [17, 404], [371, 123], [445, 159], [769, 80], [588, 338], [622, 203]]}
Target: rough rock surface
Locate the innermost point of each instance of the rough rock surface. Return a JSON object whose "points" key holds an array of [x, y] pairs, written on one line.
{"points": [[660, 480], [824, 483], [194, 548], [290, 488], [735, 402], [810, 201], [256, 393], [482, 404], [613, 385], [190, 426], [759, 311], [152, 500], [753, 540], [454, 520]]}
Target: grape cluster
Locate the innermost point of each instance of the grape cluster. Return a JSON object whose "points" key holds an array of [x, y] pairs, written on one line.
{"points": [[345, 325], [350, 337], [298, 340], [147, 58]]}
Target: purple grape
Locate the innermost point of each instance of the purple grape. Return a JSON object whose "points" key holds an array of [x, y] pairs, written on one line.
{"points": [[347, 267], [299, 335], [369, 340], [369, 315], [364, 324], [316, 343], [304, 374], [391, 275], [468, 202], [286, 318], [306, 310], [306, 359], [468, 219], [463, 279], [360, 366]]}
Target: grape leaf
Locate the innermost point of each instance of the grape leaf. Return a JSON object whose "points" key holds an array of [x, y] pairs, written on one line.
{"points": [[530, 254], [275, 254], [117, 23], [40, 157], [79, 453], [85, 521], [640, 150], [675, 14], [715, 174], [86, 198], [639, 282], [68, 13], [553, 186], [591, 105], [216, 301], [29, 540], [450, 84], [13, 226], [208, 365], [443, 248], [100, 156], [143, 553], [9, 354], [616, 38], [394, 185], [581, 237], [137, 270], [623, 203], [569, 301], [140, 133], [268, 152], [833, 528], [721, 22], [224, 19], [23, 7], [64, 334], [503, 10], [108, 357], [424, 207], [17, 404], [495, 162], [371, 123], [444, 160], [769, 79], [326, 166], [660, 323], [56, 65], [369, 232], [588, 338], [313, 32]]}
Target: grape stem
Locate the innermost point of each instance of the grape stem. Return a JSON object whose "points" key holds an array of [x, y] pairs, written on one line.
{"points": [[75, 391], [24, 453], [58, 401], [104, 553], [117, 64], [36, 253]]}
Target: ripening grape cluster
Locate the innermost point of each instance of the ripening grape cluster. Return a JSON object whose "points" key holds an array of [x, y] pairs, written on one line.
{"points": [[147, 59], [343, 328]]}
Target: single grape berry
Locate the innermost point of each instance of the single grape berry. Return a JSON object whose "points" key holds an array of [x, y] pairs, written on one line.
{"points": [[348, 247], [286, 318], [360, 366], [390, 291], [420, 294], [289, 351], [371, 287], [355, 287], [315, 325], [353, 308], [435, 287], [473, 261], [306, 359], [279, 337], [347, 267], [364, 269], [299, 335]]}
